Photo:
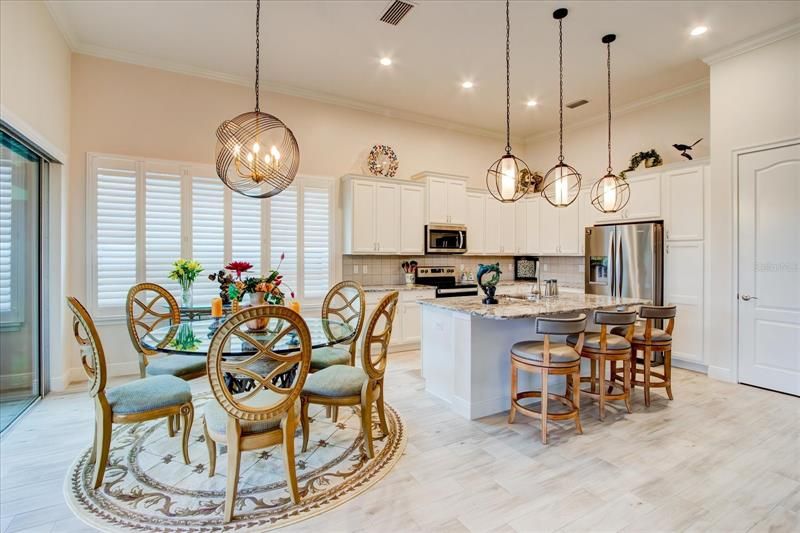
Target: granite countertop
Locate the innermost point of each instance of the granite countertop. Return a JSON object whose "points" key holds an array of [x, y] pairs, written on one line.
{"points": [[510, 307], [386, 288]]}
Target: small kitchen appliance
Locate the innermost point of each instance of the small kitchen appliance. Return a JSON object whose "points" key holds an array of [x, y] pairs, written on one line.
{"points": [[445, 239]]}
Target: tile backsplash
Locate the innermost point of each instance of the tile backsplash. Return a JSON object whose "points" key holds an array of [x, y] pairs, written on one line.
{"points": [[385, 270]]}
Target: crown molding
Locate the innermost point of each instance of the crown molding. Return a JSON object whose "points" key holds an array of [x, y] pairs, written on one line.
{"points": [[61, 23], [636, 105], [753, 43]]}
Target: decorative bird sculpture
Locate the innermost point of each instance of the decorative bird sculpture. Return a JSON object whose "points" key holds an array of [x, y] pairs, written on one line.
{"points": [[684, 148]]}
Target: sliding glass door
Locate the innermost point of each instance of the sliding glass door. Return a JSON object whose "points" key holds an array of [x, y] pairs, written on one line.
{"points": [[21, 173]]}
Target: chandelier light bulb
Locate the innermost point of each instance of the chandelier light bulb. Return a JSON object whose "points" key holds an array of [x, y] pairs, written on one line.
{"points": [[256, 147], [609, 195], [249, 157], [266, 159], [508, 181], [276, 155]]}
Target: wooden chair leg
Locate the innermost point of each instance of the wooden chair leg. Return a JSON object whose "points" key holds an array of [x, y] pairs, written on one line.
{"points": [[381, 412], [234, 461], [177, 420], [626, 369], [668, 371], [102, 443], [544, 406], [187, 413], [648, 353], [601, 366], [612, 377], [171, 426], [212, 451], [634, 355], [592, 372], [93, 455], [304, 420], [289, 425], [513, 411], [576, 399], [334, 413], [366, 424], [328, 411]]}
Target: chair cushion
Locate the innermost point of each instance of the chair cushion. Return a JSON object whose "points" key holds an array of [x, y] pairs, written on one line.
{"points": [[148, 394], [534, 351], [217, 418], [329, 356], [175, 365], [336, 381], [658, 335], [592, 340]]}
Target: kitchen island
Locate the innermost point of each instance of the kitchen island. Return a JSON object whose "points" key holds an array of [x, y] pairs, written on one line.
{"points": [[465, 345]]}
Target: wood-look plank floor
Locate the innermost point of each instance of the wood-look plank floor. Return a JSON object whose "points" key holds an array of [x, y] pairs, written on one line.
{"points": [[720, 457]]}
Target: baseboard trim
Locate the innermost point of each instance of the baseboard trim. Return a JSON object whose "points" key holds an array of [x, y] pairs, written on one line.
{"points": [[689, 365], [721, 373], [128, 368]]}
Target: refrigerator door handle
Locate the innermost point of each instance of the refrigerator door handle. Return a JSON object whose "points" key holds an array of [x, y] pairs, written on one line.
{"points": [[620, 262], [612, 265]]}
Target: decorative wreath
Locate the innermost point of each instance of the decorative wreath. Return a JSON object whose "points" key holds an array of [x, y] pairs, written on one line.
{"points": [[382, 161]]}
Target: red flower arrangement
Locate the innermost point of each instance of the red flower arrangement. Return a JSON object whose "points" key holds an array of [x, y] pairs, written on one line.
{"points": [[239, 267]]}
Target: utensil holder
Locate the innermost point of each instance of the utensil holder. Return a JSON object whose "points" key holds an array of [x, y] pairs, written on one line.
{"points": [[410, 278]]}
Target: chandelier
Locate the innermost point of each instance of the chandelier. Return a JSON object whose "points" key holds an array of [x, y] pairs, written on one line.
{"points": [[611, 192], [562, 183], [256, 154], [503, 179]]}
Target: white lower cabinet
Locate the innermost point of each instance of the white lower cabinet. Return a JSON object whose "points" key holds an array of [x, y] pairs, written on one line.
{"points": [[683, 287], [406, 328]]}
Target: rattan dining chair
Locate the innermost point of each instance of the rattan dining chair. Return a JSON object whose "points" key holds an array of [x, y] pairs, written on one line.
{"points": [[267, 414], [340, 385], [137, 401], [143, 316]]}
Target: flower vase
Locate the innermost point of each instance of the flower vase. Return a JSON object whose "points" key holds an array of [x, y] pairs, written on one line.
{"points": [[187, 295], [258, 324]]}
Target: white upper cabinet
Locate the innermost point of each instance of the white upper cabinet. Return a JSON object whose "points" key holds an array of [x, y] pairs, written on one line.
{"points": [[569, 228], [476, 222], [520, 231], [361, 235], [588, 216], [532, 207], [491, 224], [446, 199], [507, 227], [387, 220], [684, 197], [412, 219], [644, 203], [549, 234]]}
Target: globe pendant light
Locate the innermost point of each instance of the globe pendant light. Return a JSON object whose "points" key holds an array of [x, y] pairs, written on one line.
{"points": [[256, 154], [503, 177], [611, 192], [562, 183]]}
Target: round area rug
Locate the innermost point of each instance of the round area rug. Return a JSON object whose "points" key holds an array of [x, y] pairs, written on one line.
{"points": [[147, 486]]}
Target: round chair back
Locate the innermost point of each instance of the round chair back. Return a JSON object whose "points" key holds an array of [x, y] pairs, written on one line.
{"points": [[286, 328], [147, 307], [657, 311], [614, 318], [93, 357], [378, 335], [561, 326], [347, 302]]}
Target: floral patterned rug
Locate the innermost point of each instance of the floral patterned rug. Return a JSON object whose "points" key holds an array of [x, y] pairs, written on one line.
{"points": [[147, 486]]}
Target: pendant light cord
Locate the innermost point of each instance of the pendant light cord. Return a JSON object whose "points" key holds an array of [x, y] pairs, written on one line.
{"points": [[560, 91], [608, 65], [508, 79], [258, 48]]}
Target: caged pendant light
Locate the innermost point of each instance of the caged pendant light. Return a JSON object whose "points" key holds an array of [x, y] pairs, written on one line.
{"points": [[503, 179], [611, 192], [562, 183], [256, 154]]}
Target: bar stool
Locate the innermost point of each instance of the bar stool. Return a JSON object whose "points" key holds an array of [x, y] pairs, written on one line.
{"points": [[605, 346], [649, 339], [546, 358]]}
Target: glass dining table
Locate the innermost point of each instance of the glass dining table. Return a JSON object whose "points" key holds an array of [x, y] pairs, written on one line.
{"points": [[193, 337]]}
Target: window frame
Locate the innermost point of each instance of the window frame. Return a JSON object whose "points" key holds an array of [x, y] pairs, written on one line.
{"points": [[187, 171]]}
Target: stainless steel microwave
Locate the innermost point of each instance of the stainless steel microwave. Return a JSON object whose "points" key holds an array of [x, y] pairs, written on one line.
{"points": [[445, 239]]}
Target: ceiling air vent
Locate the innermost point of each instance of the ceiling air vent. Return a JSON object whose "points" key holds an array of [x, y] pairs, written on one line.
{"points": [[577, 103], [395, 12]]}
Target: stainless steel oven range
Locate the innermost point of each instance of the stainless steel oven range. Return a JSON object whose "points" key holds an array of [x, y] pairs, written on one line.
{"points": [[445, 280]]}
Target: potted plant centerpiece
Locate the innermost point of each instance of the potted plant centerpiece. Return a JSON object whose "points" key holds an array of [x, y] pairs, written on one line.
{"points": [[185, 271]]}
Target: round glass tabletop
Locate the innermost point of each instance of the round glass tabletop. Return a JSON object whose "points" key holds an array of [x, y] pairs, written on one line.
{"points": [[193, 337]]}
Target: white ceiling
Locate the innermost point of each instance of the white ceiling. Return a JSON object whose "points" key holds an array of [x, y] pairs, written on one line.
{"points": [[330, 50]]}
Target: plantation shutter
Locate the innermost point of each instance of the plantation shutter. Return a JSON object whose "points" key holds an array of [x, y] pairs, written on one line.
{"points": [[116, 231], [316, 239], [6, 232], [283, 236], [162, 226], [246, 231], [208, 234]]}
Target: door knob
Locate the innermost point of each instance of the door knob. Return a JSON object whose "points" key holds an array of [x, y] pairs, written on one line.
{"points": [[747, 297]]}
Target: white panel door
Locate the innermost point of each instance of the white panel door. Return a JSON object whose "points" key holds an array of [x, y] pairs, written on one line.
{"points": [[548, 229], [387, 222], [507, 227], [645, 201], [492, 242], [437, 201], [569, 228], [476, 222], [364, 240], [532, 226], [456, 202], [683, 287], [683, 204], [769, 277], [412, 219]]}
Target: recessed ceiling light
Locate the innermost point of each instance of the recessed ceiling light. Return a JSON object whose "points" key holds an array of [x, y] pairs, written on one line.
{"points": [[386, 61], [532, 103], [699, 30], [468, 85]]}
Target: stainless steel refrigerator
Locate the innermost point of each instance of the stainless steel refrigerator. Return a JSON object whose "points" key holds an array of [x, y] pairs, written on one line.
{"points": [[626, 260]]}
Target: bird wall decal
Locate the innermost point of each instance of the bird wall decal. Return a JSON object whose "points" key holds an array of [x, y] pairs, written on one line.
{"points": [[684, 148]]}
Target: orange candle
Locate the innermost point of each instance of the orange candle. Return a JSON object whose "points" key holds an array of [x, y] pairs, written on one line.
{"points": [[216, 307], [295, 306]]}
